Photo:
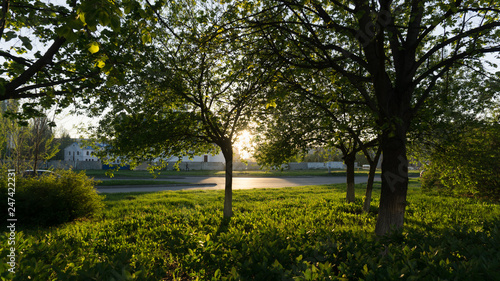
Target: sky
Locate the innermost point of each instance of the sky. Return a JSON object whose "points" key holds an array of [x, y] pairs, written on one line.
{"points": [[70, 123]]}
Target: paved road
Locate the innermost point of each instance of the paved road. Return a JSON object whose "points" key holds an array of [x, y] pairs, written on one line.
{"points": [[212, 183]]}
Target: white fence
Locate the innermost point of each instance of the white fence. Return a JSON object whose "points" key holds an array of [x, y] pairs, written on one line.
{"points": [[323, 165]]}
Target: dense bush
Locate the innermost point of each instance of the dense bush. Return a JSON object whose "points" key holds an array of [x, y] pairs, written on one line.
{"points": [[54, 199], [467, 163], [431, 179]]}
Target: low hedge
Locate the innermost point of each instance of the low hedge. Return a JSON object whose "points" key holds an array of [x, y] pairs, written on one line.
{"points": [[54, 199]]}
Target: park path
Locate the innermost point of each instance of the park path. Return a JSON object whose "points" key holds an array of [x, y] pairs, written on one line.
{"points": [[214, 183]]}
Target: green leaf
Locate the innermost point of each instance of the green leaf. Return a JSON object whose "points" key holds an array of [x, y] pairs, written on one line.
{"points": [[271, 104], [217, 274], [93, 47], [115, 23], [146, 38], [100, 63], [104, 18], [9, 35], [64, 31], [26, 42], [81, 17]]}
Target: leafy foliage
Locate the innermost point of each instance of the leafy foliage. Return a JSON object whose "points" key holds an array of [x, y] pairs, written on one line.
{"points": [[467, 162], [50, 51], [393, 53], [24, 147], [301, 233], [193, 87], [54, 199], [64, 141], [192, 93]]}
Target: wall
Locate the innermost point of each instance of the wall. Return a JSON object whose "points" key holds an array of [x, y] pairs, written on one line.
{"points": [[81, 165], [297, 166], [196, 166], [250, 166]]}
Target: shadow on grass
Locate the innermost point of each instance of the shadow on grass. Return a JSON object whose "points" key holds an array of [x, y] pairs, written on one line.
{"points": [[223, 227]]}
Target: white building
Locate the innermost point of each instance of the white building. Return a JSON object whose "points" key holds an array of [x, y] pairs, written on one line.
{"points": [[75, 152]]}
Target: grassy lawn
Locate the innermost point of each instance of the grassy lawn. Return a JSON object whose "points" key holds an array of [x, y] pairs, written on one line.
{"points": [[300, 233], [262, 173]]}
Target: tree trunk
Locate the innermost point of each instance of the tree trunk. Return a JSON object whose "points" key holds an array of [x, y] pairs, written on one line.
{"points": [[36, 149], [371, 178], [35, 165], [349, 160], [227, 151], [394, 183]]}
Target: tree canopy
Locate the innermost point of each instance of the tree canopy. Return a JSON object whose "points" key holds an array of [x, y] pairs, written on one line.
{"points": [[193, 93], [308, 114], [393, 52], [50, 51]]}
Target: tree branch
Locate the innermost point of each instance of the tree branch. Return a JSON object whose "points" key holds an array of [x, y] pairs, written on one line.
{"points": [[46, 59], [449, 41], [453, 59], [3, 19], [19, 60]]}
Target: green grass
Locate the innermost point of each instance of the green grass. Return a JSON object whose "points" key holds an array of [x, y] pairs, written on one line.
{"points": [[261, 173], [113, 182], [300, 233]]}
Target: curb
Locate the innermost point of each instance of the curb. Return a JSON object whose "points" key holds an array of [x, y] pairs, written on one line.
{"points": [[156, 185]]}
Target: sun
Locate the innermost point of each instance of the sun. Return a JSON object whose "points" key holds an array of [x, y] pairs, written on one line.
{"points": [[244, 145]]}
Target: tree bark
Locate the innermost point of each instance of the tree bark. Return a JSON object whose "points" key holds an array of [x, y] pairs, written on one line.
{"points": [[394, 184], [349, 160], [371, 178], [227, 151]]}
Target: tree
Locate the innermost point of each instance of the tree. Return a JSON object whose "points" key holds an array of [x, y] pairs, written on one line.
{"points": [[465, 97], [41, 143], [309, 116], [64, 141], [5, 127], [193, 92], [458, 145], [25, 146], [393, 53], [51, 52], [372, 156], [15, 139]]}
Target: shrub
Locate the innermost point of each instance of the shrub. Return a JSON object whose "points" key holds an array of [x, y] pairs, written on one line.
{"points": [[431, 179], [54, 199], [468, 163]]}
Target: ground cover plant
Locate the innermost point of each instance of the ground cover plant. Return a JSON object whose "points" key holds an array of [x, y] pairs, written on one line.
{"points": [[300, 233]]}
